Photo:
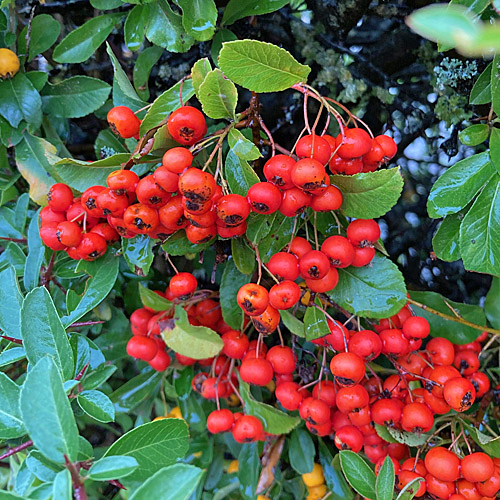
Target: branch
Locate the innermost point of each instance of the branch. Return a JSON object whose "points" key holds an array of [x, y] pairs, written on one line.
{"points": [[15, 240], [80, 493], [17, 449], [12, 339]]}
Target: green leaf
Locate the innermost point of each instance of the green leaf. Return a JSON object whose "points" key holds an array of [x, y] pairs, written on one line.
{"points": [[273, 420], [43, 399], [193, 414], [301, 451], [44, 469], [12, 301], [243, 256], [36, 252], [38, 79], [104, 272], [135, 26], [292, 323], [13, 255], [492, 303], [97, 405], [198, 342], [260, 66], [166, 103], [459, 184], [43, 333], [480, 231], [241, 146], [114, 467], [44, 33], [495, 84], [199, 18], [495, 148], [408, 438], [19, 100], [481, 91], [142, 68], [135, 391], [315, 322], [277, 238], [232, 281], [444, 24], [384, 484], [165, 28], [62, 487], [239, 174], [106, 4], [176, 482], [409, 491], [474, 135], [259, 226], [12, 355], [11, 424], [98, 376], [446, 239], [249, 470], [440, 327], [153, 300], [75, 97], [178, 244], [138, 252], [236, 9], [218, 95], [358, 474], [384, 433], [201, 68], [369, 195], [222, 35], [81, 43], [154, 445], [489, 444], [374, 291], [333, 473]]}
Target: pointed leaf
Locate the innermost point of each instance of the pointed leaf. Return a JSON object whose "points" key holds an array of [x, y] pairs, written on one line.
{"points": [[333, 473], [358, 474], [445, 242], [243, 256], [152, 300], [492, 303], [384, 484], [11, 300], [218, 95], [495, 148], [241, 146], [11, 424], [138, 252], [135, 26], [236, 9], [232, 281], [36, 252], [301, 451], [481, 92], [239, 174], [114, 467], [249, 468], [97, 405], [201, 68]]}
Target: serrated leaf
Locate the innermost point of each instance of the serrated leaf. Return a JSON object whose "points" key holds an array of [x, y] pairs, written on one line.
{"points": [[43, 399], [43, 34], [198, 342], [408, 438], [134, 28], [113, 467], [273, 420], [445, 243], [75, 97], [199, 18], [384, 484], [152, 300], [43, 333], [480, 231], [11, 300], [218, 95], [81, 43], [371, 194], [260, 66], [236, 9], [243, 256], [201, 68], [358, 474], [232, 281], [97, 405], [138, 252], [481, 91], [375, 291], [154, 445], [459, 184], [241, 146], [11, 424]]}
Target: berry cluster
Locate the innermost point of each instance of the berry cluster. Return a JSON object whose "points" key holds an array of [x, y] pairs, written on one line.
{"points": [[315, 482]]}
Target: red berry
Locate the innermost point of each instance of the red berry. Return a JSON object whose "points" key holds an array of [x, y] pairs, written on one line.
{"points": [[310, 175], [196, 185], [235, 344], [314, 146], [142, 347], [171, 215], [253, 299], [122, 180], [347, 368], [123, 122], [416, 327], [177, 159], [440, 351], [220, 421], [294, 201], [112, 203], [394, 342], [282, 359], [60, 197], [91, 246], [257, 371], [69, 233], [107, 232], [49, 216], [284, 295], [278, 170], [161, 361], [268, 321], [325, 284], [247, 429], [339, 250], [351, 399], [362, 256], [166, 179], [289, 395], [232, 209], [285, 266], [467, 362], [208, 312], [48, 234], [443, 463], [366, 344], [314, 411], [139, 321], [349, 438], [477, 467], [406, 476], [355, 143], [140, 218], [481, 383], [330, 199], [314, 265], [187, 125], [299, 247], [264, 198], [417, 417], [363, 232], [386, 412], [459, 393], [183, 285], [151, 194], [199, 235]]}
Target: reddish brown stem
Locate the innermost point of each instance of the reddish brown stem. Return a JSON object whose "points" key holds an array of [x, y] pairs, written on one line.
{"points": [[17, 449], [12, 339], [117, 483], [47, 274], [82, 372], [15, 240], [79, 489]]}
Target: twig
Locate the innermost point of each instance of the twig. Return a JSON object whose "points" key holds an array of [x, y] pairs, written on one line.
{"points": [[12, 339], [80, 493], [82, 372], [17, 449]]}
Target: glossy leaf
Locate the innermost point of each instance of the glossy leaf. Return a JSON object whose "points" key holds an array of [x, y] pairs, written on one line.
{"points": [[75, 97], [97, 405], [106, 4], [315, 322], [374, 291], [43, 333], [232, 281], [133, 392], [241, 146], [236, 9], [178, 244], [492, 303], [408, 492], [301, 451], [440, 327], [36, 252], [44, 33], [243, 256], [239, 174], [113, 467], [153, 300], [154, 445], [384, 484], [138, 252], [201, 68], [481, 91], [292, 323], [98, 376], [358, 474], [495, 84], [249, 470], [459, 184], [369, 195], [260, 66], [259, 226], [474, 134], [176, 482], [273, 420], [135, 26], [495, 148], [11, 424], [277, 238], [446, 240], [198, 342], [333, 473], [218, 95], [43, 399], [480, 231], [199, 18], [81, 43], [143, 65], [11, 300]]}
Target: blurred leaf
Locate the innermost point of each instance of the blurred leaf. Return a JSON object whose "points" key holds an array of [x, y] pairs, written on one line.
{"points": [[333, 474], [374, 291], [480, 231], [138, 252], [459, 184], [440, 327], [178, 244], [154, 445], [492, 303], [43, 400], [133, 392], [176, 482], [446, 239], [384, 484], [358, 474], [218, 95], [106, 4], [113, 467], [495, 148], [198, 342], [236, 9], [43, 333], [11, 424], [474, 134], [495, 82], [243, 256], [97, 405], [135, 26], [239, 174], [292, 323], [241, 146], [81, 43], [491, 445], [481, 92], [36, 252], [12, 255], [9, 356], [232, 281], [301, 451], [75, 97], [44, 469], [142, 68], [199, 18], [277, 238], [44, 33], [98, 376], [260, 66], [193, 413], [153, 300], [249, 470], [222, 35], [62, 487]]}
